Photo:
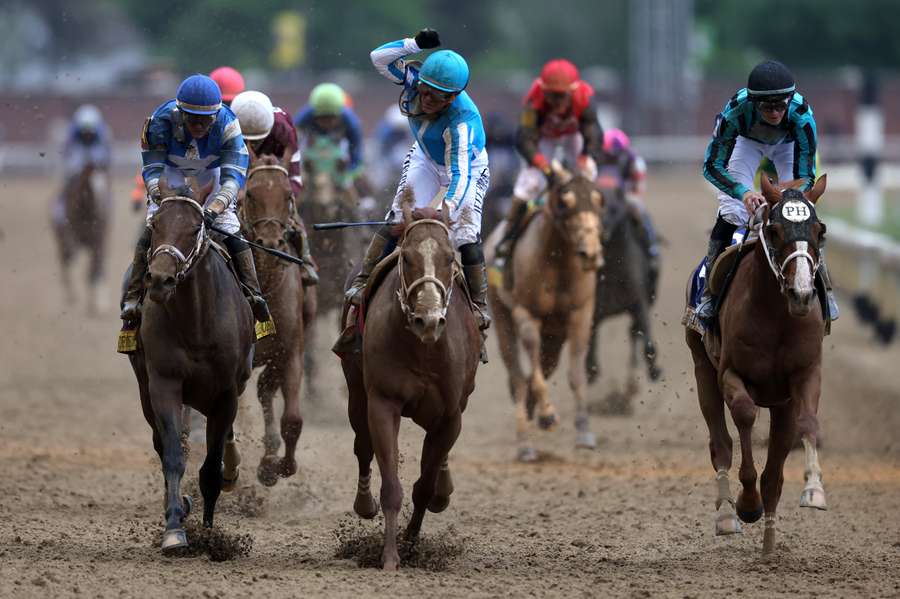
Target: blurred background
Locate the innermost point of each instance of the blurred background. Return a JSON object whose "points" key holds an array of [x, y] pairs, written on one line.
{"points": [[662, 70]]}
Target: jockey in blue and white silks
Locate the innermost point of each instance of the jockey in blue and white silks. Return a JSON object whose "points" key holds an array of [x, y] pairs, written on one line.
{"points": [[87, 144], [196, 136], [447, 164]]}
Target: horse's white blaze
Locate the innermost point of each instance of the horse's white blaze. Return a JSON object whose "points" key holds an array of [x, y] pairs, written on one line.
{"points": [[428, 295], [803, 275]]}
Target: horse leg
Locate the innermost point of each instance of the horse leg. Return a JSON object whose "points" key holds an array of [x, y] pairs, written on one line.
{"points": [[743, 412], [591, 362], [435, 450], [640, 319], [66, 253], [231, 461], [267, 471], [712, 405], [518, 388], [529, 329], [578, 335], [384, 425], [357, 411], [218, 428], [291, 418], [781, 438], [309, 335], [805, 389], [98, 300], [165, 399]]}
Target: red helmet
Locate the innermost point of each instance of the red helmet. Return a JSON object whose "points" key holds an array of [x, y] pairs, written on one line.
{"points": [[230, 82], [559, 75]]}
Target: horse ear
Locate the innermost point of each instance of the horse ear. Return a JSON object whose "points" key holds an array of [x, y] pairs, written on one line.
{"points": [[817, 190], [445, 214], [769, 191], [164, 190], [250, 151], [561, 175], [407, 201], [286, 159]]}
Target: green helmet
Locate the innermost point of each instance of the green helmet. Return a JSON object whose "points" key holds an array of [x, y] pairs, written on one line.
{"points": [[327, 99]]}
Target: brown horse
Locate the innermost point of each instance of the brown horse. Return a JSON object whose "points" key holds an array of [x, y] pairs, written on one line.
{"points": [[265, 213], [419, 355], [554, 263], [767, 352], [195, 348], [84, 225]]}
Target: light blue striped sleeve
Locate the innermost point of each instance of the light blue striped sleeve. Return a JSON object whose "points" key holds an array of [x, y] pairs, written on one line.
{"points": [[457, 161], [388, 59]]}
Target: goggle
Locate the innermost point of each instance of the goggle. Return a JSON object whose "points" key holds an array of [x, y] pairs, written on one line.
{"points": [[426, 90], [556, 97], [199, 120], [772, 105]]}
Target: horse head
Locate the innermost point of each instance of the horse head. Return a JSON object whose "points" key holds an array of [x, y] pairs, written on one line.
{"points": [[575, 204], [179, 238], [792, 236], [426, 267], [268, 204]]}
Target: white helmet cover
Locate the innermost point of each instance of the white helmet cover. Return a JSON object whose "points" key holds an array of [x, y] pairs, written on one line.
{"points": [[88, 117], [255, 113]]}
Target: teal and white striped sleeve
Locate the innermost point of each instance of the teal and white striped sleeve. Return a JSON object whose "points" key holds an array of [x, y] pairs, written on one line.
{"points": [[458, 161], [388, 59]]}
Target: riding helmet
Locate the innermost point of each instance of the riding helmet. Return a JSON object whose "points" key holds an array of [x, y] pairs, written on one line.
{"points": [[770, 80], [445, 70], [327, 99], [255, 113], [198, 94], [230, 82]]}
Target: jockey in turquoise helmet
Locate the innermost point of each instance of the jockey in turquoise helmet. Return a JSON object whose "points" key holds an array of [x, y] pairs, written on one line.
{"points": [[194, 135]]}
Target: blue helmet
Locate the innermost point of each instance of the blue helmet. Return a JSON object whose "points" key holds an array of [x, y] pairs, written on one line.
{"points": [[445, 70], [198, 94]]}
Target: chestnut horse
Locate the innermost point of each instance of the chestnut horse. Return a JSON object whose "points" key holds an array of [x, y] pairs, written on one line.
{"points": [[265, 213], [420, 351], [555, 264], [84, 225], [195, 348], [767, 352]]}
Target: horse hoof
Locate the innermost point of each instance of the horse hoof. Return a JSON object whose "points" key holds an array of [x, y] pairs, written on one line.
{"points": [[365, 506], [187, 505], [527, 454], [750, 516], [174, 541], [267, 472], [654, 373], [230, 484], [728, 524], [287, 467], [813, 498], [768, 542], [438, 504], [585, 440], [548, 422]]}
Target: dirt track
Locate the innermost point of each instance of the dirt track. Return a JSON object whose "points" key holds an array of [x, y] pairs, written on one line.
{"points": [[81, 488]]}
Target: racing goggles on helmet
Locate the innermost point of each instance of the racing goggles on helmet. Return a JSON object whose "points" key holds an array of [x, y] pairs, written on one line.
{"points": [[772, 104], [199, 120], [426, 90]]}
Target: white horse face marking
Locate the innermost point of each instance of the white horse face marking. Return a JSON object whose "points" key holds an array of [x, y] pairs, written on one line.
{"points": [[428, 296], [801, 287]]}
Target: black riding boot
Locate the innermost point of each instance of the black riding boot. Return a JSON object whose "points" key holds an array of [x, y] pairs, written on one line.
{"points": [[833, 311], [517, 209], [246, 270], [300, 241], [475, 272], [131, 299], [720, 237], [373, 255]]}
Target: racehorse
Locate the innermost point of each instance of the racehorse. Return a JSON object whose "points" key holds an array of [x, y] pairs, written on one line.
{"points": [[324, 199], [767, 352], [194, 348], [554, 264], [623, 285], [420, 351], [265, 213], [84, 226]]}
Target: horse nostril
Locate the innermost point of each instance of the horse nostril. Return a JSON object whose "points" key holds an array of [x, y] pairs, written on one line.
{"points": [[441, 322], [259, 241], [419, 322], [169, 281], [281, 243]]}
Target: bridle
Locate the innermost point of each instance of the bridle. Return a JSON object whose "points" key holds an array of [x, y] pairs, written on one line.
{"points": [[251, 225], [777, 270], [184, 263], [403, 294]]}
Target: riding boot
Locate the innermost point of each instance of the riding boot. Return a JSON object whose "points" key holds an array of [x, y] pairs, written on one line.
{"points": [[833, 311], [308, 274], [373, 255], [707, 308], [131, 299], [514, 217], [246, 271]]}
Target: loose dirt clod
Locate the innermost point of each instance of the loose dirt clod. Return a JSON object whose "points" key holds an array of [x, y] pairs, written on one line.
{"points": [[363, 543], [214, 542]]}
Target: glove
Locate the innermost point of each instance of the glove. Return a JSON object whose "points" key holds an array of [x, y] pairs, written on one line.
{"points": [[540, 162], [428, 38], [209, 217], [153, 191]]}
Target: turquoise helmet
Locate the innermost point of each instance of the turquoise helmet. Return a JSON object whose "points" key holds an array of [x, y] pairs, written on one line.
{"points": [[445, 70]]}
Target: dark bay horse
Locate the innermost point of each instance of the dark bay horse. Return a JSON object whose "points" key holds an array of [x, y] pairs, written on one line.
{"points": [[265, 213], [420, 351], [555, 264], [84, 225], [195, 348], [767, 352], [623, 286]]}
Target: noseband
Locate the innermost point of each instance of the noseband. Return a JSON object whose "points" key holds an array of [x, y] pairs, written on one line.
{"points": [[777, 270], [251, 225], [403, 294], [183, 262]]}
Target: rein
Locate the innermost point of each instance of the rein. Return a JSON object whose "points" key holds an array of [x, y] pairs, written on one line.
{"points": [[406, 290], [185, 262]]}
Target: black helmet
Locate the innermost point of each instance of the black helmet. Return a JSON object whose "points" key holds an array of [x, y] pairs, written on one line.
{"points": [[770, 80]]}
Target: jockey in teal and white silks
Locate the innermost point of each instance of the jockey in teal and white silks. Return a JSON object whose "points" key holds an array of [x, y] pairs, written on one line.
{"points": [[195, 136]]}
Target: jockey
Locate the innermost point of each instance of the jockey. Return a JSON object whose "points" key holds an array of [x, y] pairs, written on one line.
{"points": [[268, 129], [230, 83], [559, 114], [327, 114], [622, 168], [87, 143], [447, 164], [766, 119], [193, 135]]}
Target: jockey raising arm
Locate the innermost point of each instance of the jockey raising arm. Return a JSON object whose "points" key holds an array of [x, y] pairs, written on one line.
{"points": [[268, 129], [195, 136], [327, 114], [447, 164], [560, 113]]}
